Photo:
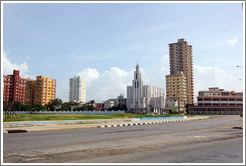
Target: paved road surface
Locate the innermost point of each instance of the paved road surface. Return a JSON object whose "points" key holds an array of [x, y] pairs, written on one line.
{"points": [[212, 140]]}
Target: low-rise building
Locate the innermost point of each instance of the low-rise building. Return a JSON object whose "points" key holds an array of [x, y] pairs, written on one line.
{"points": [[109, 103], [218, 101], [99, 107], [170, 103]]}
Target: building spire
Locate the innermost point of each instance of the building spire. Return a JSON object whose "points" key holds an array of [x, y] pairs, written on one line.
{"points": [[137, 67]]}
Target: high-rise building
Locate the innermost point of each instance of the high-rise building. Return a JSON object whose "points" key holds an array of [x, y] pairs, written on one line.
{"points": [[14, 87], [45, 90], [144, 98], [181, 59], [30, 89], [77, 90]]}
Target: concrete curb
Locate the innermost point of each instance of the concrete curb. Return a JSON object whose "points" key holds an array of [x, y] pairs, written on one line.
{"points": [[15, 131], [145, 123]]}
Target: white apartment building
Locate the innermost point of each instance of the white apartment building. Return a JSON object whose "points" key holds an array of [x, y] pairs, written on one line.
{"points": [[110, 103], [144, 98], [77, 90]]}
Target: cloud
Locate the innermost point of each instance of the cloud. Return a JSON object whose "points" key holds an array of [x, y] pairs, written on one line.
{"points": [[232, 42], [208, 76], [8, 67], [109, 84], [89, 74]]}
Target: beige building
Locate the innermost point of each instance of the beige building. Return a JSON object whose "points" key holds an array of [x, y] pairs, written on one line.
{"points": [[181, 59], [176, 89]]}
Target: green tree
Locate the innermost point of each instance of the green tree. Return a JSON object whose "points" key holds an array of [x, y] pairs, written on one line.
{"points": [[9, 109], [38, 107], [173, 111], [91, 104], [187, 108], [67, 105], [17, 106], [53, 104]]}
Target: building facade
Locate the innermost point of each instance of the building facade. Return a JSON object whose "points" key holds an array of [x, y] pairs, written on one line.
{"points": [[30, 89], [218, 101], [176, 89], [77, 90], [181, 59], [144, 98], [45, 90], [99, 107], [109, 103], [14, 87]]}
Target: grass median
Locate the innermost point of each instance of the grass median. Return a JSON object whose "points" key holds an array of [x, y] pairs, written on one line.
{"points": [[56, 117]]}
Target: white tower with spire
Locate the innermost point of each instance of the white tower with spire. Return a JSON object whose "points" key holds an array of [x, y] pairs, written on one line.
{"points": [[142, 98]]}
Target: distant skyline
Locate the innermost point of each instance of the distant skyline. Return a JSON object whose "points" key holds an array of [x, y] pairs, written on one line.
{"points": [[102, 42]]}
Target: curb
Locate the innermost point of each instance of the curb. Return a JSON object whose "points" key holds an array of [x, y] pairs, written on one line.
{"points": [[15, 131], [145, 123]]}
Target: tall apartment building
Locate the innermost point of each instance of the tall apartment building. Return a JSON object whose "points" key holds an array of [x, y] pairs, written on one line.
{"points": [[14, 87], [181, 60], [176, 90], [77, 90], [144, 98], [30, 88], [45, 90]]}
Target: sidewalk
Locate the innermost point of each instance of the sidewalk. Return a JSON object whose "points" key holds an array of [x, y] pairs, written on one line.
{"points": [[10, 127]]}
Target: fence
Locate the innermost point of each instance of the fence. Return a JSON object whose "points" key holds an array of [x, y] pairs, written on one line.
{"points": [[70, 112]]}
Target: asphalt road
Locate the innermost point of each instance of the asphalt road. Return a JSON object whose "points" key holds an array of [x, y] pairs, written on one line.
{"points": [[212, 140]]}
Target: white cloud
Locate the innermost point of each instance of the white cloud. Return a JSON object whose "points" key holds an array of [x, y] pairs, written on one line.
{"points": [[231, 42], [89, 74], [8, 66], [208, 76], [109, 84]]}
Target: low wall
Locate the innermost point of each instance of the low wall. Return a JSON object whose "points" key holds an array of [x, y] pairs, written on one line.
{"points": [[150, 118], [70, 112]]}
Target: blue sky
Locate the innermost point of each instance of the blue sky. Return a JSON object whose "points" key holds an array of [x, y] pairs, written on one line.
{"points": [[102, 42]]}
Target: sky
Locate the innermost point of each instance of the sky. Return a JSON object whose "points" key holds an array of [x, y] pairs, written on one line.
{"points": [[102, 42]]}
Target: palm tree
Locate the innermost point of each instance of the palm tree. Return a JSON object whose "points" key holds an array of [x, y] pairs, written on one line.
{"points": [[91, 105]]}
